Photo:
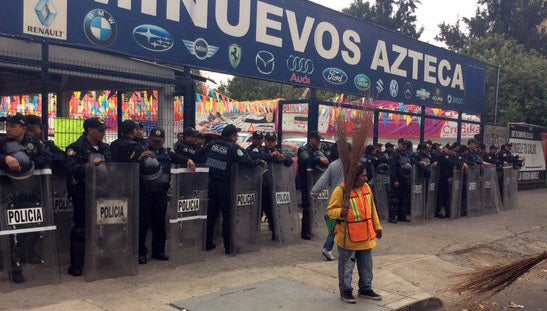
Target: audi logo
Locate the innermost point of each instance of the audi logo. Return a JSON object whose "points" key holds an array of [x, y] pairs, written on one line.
{"points": [[300, 65]]}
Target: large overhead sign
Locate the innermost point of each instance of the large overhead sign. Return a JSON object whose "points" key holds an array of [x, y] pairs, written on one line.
{"points": [[290, 41]]}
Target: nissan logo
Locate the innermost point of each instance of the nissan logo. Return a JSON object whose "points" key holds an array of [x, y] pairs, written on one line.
{"points": [[300, 65]]}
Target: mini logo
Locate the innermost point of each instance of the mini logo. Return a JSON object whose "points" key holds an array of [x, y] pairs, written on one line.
{"points": [[408, 90], [200, 48], [300, 65], [46, 12], [153, 38], [394, 88], [234, 55], [100, 27], [379, 86], [335, 76], [362, 82], [422, 94], [437, 97], [265, 62]]}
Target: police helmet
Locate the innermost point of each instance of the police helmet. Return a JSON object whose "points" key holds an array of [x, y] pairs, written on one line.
{"points": [[26, 164], [382, 168], [150, 169]]}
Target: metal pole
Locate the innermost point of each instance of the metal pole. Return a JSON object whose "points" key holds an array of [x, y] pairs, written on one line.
{"points": [[313, 112], [279, 123], [376, 126], [119, 107], [422, 125], [497, 92], [44, 95]]}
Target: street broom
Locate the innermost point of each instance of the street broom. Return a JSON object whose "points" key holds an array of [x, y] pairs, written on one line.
{"points": [[495, 279]]}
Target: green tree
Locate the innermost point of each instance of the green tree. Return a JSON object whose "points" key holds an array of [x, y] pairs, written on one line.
{"points": [[518, 20], [523, 80], [397, 15], [240, 88]]}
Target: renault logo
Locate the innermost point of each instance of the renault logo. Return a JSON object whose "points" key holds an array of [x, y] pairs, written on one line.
{"points": [[46, 12]]}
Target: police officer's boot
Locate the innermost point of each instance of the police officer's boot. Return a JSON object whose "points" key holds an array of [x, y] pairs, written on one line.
{"points": [[392, 210], [77, 251]]}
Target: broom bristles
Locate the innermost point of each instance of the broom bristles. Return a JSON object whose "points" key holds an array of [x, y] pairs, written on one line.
{"points": [[495, 279]]}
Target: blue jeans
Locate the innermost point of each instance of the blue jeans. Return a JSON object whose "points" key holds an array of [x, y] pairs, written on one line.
{"points": [[329, 243], [345, 269]]}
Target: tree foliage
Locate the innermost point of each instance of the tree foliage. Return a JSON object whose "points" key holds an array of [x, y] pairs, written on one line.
{"points": [[397, 15], [523, 80], [518, 20]]}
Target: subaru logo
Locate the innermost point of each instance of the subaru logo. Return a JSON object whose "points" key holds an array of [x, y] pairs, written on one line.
{"points": [[46, 12], [300, 65], [394, 88], [362, 82], [100, 27], [335, 76], [408, 90], [265, 62], [153, 38], [200, 48]]}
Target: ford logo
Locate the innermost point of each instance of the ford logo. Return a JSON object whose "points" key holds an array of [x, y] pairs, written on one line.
{"points": [[153, 38], [362, 82], [335, 76]]}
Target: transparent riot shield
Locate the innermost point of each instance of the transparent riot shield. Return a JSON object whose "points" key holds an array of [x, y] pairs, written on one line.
{"points": [[112, 211], [473, 198], [431, 195], [456, 193], [28, 242], [417, 195], [380, 187], [318, 208], [490, 193], [285, 216], [513, 188], [63, 212], [506, 191], [187, 214], [246, 209]]}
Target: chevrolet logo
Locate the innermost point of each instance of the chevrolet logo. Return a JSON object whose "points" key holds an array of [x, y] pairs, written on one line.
{"points": [[422, 94]]}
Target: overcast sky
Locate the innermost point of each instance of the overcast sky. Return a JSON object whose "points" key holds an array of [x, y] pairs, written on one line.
{"points": [[429, 14]]}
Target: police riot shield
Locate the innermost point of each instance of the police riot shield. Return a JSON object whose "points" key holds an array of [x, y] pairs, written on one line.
{"points": [[63, 212], [513, 188], [380, 188], [28, 242], [417, 195], [506, 191], [246, 204], [473, 197], [490, 193], [456, 193], [318, 208], [187, 214], [285, 216], [431, 195], [112, 209]]}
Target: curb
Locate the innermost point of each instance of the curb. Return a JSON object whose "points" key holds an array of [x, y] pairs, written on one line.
{"points": [[428, 304]]}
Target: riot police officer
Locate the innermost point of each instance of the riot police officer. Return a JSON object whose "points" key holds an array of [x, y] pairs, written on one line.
{"points": [[139, 136], [492, 155], [276, 156], [309, 156], [34, 128], [125, 148], [187, 145], [154, 187], [447, 159], [89, 148], [219, 155], [422, 159], [400, 171], [20, 154]]}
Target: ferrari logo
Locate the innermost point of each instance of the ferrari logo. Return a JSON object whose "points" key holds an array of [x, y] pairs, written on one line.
{"points": [[234, 55]]}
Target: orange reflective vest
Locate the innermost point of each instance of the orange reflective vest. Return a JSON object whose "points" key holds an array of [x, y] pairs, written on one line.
{"points": [[359, 218]]}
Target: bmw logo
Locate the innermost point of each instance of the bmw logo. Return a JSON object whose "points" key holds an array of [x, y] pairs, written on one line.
{"points": [[100, 27]]}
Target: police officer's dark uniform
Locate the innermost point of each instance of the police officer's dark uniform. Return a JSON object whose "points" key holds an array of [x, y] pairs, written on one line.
{"points": [[258, 152], [125, 148], [28, 153], [219, 155], [400, 170], [447, 161], [309, 156], [187, 147], [58, 157], [492, 156], [154, 197], [422, 159], [86, 149], [139, 136]]}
